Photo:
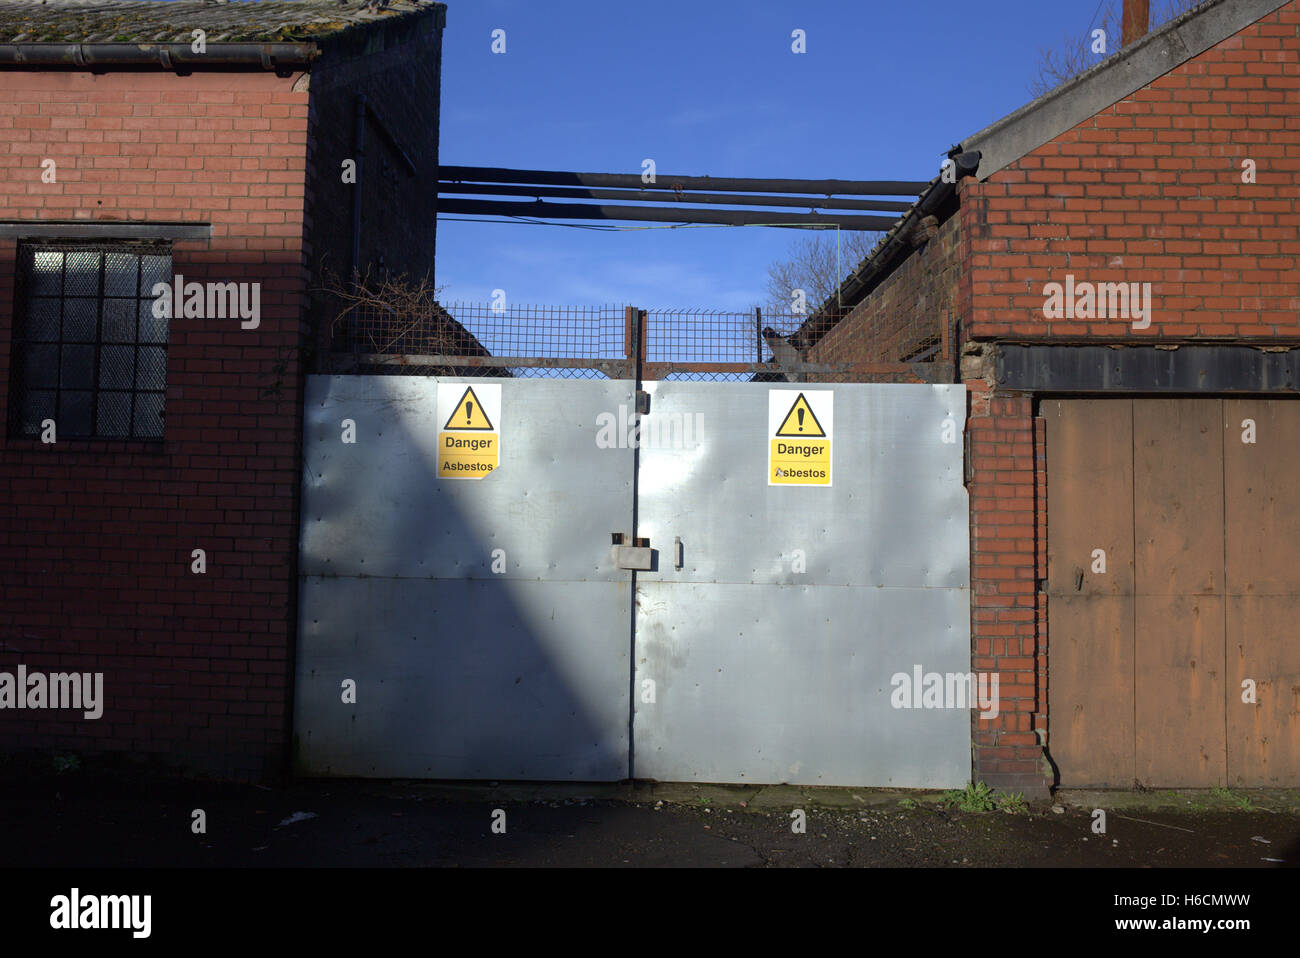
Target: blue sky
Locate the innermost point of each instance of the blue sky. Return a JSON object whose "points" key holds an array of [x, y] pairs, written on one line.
{"points": [[710, 87]]}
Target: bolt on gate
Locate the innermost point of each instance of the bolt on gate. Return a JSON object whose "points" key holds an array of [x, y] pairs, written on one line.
{"points": [[606, 544]]}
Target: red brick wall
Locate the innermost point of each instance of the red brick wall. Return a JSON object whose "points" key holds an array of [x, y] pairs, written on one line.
{"points": [[1150, 190], [904, 312], [96, 536], [1004, 616]]}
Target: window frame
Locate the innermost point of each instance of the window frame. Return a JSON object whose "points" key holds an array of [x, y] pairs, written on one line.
{"points": [[22, 393]]}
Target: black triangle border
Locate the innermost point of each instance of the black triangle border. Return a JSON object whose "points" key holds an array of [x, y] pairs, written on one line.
{"points": [[469, 391], [820, 428]]}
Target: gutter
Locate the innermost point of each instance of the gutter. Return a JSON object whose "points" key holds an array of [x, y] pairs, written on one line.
{"points": [[283, 58]]}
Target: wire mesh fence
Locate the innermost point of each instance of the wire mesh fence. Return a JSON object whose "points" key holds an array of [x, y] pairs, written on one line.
{"points": [[495, 339]]}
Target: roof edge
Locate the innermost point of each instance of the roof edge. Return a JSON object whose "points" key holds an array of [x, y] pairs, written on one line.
{"points": [[1127, 71], [283, 58]]}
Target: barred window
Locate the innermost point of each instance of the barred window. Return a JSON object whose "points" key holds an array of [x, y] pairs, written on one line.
{"points": [[88, 351]]}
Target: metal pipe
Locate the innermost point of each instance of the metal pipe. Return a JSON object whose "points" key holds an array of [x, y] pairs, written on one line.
{"points": [[739, 199], [659, 214], [486, 174], [177, 57]]}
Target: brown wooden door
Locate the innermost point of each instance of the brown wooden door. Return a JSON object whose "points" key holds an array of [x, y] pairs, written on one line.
{"points": [[1090, 614], [1201, 591], [1178, 681], [1262, 508]]}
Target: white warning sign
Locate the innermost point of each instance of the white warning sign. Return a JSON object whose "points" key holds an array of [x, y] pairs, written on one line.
{"points": [[469, 441], [800, 427]]}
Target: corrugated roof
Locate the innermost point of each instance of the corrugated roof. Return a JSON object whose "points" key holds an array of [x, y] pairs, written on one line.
{"points": [[136, 21]]}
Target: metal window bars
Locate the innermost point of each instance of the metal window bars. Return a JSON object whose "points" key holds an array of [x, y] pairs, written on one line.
{"points": [[88, 353]]}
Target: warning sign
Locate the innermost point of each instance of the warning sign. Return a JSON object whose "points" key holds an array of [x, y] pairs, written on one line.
{"points": [[469, 413], [800, 427], [469, 444], [800, 422]]}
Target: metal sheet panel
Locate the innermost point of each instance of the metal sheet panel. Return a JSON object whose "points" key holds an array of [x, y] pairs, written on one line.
{"points": [[462, 672], [464, 679], [376, 507], [767, 674]]}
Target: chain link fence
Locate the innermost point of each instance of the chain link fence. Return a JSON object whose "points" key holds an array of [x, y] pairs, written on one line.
{"points": [[625, 342]]}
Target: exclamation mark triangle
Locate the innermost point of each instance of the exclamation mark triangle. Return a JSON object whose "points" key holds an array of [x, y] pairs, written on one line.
{"points": [[468, 414], [800, 421]]}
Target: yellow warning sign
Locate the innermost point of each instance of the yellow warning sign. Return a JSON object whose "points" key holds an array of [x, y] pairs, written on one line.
{"points": [[469, 445], [800, 421], [467, 455], [469, 414], [795, 463], [800, 431]]}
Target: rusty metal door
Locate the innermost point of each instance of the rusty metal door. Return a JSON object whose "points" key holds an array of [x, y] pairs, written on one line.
{"points": [[1199, 530]]}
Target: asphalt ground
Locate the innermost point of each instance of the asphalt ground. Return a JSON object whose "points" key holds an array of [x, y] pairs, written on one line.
{"points": [[120, 818]]}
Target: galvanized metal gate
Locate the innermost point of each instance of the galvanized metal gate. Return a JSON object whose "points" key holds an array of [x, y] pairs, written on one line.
{"points": [[743, 630], [490, 634]]}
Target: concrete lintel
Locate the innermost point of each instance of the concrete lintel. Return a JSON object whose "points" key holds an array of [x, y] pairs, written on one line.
{"points": [[103, 230]]}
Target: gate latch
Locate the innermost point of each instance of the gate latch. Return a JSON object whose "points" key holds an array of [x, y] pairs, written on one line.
{"points": [[637, 556]]}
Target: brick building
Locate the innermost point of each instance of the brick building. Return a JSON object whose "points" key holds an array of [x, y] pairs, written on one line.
{"points": [[1131, 449], [147, 141]]}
